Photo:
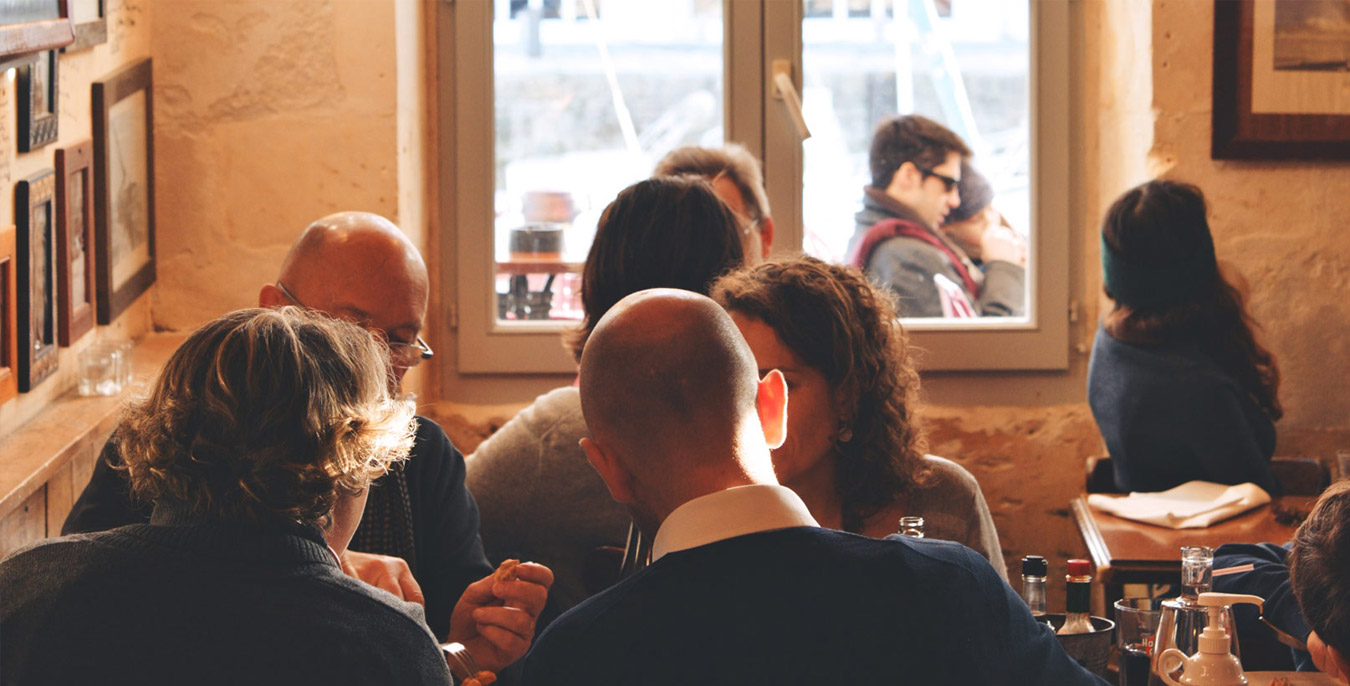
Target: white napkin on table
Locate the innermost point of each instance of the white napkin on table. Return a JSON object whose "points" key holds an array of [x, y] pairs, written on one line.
{"points": [[1192, 505]]}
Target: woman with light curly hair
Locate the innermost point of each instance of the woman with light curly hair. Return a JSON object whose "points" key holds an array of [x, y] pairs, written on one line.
{"points": [[854, 450], [256, 444]]}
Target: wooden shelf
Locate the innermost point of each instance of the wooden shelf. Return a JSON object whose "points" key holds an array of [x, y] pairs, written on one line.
{"points": [[45, 464]]}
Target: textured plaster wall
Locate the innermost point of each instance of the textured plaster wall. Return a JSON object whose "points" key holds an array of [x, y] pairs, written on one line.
{"points": [[129, 28], [1281, 224], [269, 114]]}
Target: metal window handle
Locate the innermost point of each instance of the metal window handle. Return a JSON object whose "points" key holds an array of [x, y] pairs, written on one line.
{"points": [[787, 93]]}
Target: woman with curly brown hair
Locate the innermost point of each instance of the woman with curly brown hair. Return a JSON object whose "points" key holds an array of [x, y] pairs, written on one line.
{"points": [[854, 450], [1178, 383], [257, 445]]}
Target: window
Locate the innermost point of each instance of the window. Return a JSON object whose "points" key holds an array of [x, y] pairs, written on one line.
{"points": [[584, 96]]}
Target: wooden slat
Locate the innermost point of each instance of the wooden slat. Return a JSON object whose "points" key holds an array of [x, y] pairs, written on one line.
{"points": [[25, 524], [60, 496]]}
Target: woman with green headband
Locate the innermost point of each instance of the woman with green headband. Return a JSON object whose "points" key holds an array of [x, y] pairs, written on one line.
{"points": [[1178, 384]]}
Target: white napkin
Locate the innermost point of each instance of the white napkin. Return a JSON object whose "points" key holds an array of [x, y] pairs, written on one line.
{"points": [[1192, 505]]}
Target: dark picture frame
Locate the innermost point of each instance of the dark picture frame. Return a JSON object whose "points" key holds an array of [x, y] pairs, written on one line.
{"points": [[1241, 133], [75, 240], [35, 214], [91, 32], [38, 96], [9, 350], [27, 26], [124, 188]]}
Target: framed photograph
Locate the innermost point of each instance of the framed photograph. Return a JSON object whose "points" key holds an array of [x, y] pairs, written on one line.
{"points": [[1281, 79], [91, 24], [27, 26], [124, 189], [9, 350], [75, 240], [38, 102], [34, 212]]}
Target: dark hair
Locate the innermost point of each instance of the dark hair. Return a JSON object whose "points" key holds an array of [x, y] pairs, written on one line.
{"points": [[667, 232], [1153, 224], [910, 138], [1319, 567], [266, 415], [839, 323]]}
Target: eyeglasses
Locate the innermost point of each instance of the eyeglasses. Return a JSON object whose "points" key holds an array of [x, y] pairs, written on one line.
{"points": [[403, 355], [948, 182]]}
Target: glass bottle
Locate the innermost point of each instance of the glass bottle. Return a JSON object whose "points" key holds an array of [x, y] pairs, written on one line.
{"points": [[1034, 570], [1078, 599], [1197, 572], [911, 526]]}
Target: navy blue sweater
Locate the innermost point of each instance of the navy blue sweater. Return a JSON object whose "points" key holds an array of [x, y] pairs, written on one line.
{"points": [[806, 606], [1170, 415]]}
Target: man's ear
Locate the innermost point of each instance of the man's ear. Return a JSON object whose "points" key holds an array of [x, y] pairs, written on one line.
{"points": [[766, 236], [271, 296], [771, 400], [612, 471], [905, 178]]}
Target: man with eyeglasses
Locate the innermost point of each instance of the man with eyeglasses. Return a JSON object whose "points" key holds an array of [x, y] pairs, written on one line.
{"points": [[916, 175], [736, 178], [420, 529]]}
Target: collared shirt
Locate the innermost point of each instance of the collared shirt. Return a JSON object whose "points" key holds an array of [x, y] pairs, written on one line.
{"points": [[728, 514]]}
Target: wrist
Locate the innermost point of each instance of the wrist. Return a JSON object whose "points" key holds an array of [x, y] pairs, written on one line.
{"points": [[460, 660]]}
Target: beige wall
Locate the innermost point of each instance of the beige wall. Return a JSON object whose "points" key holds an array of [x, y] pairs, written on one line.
{"points": [[129, 28], [269, 114]]}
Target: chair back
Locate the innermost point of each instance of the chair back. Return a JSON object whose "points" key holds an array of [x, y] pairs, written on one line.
{"points": [[1100, 478], [1300, 475]]}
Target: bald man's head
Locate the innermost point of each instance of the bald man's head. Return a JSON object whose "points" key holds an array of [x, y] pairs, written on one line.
{"points": [[666, 373], [358, 266]]}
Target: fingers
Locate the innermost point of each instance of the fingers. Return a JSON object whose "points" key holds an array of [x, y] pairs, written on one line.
{"points": [[529, 591], [384, 572], [411, 592]]}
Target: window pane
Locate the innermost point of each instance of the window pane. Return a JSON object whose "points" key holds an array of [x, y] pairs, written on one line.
{"points": [[588, 95], [963, 63]]}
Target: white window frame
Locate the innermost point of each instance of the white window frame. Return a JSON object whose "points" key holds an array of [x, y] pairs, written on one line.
{"points": [[756, 33]]}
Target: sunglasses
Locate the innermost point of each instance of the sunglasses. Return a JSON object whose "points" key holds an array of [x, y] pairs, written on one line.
{"points": [[948, 182]]}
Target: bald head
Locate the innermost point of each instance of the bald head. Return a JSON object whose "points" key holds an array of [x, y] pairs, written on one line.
{"points": [[666, 373], [358, 266]]}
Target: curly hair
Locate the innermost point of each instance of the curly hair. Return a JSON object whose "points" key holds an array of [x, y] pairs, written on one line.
{"points": [[665, 232], [266, 414], [1319, 567], [840, 324], [1152, 224]]}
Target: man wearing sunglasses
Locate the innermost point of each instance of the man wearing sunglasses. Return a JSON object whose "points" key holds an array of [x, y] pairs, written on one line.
{"points": [[916, 175], [420, 529]]}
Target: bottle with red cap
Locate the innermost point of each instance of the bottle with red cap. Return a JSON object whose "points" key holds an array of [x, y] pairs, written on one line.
{"points": [[1078, 599]]}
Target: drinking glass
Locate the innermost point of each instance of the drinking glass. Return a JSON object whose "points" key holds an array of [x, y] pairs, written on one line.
{"points": [[98, 370], [1136, 626]]}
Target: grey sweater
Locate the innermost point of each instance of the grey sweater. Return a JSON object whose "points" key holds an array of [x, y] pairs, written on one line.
{"points": [[539, 499]]}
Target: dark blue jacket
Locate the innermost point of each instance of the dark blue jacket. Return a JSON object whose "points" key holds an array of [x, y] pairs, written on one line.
{"points": [[806, 605]]}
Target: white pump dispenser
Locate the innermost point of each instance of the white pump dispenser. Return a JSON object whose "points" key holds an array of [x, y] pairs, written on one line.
{"points": [[1213, 664]]}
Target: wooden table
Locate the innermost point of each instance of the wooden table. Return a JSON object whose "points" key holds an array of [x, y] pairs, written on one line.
{"points": [[1130, 552]]}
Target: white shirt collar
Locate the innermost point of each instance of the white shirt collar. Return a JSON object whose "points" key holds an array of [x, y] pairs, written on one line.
{"points": [[730, 513]]}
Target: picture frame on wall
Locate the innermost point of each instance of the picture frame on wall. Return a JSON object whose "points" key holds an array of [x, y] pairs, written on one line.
{"points": [[91, 24], [35, 214], [1281, 86], [9, 351], [27, 26], [124, 189], [38, 96], [75, 240]]}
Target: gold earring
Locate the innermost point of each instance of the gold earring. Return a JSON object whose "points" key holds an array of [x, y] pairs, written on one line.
{"points": [[845, 432]]}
